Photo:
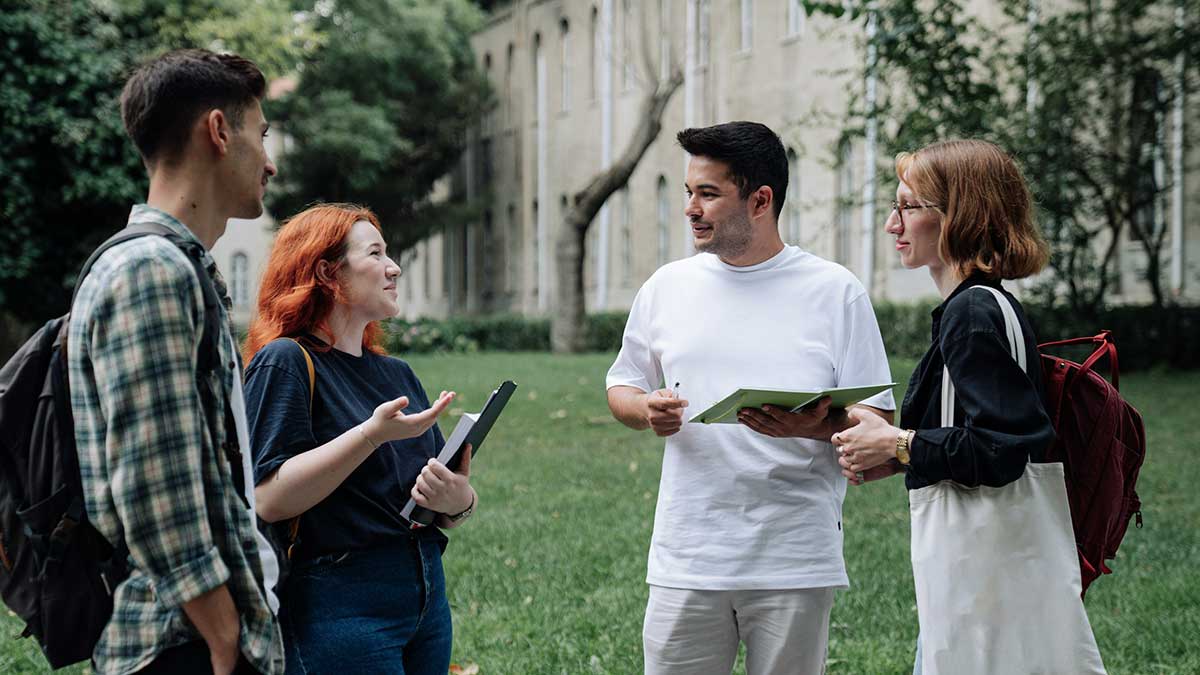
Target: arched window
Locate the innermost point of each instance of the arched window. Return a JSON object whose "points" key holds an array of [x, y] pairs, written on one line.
{"points": [[626, 238], [536, 252], [627, 74], [508, 71], [664, 217], [596, 56], [564, 30], [796, 17], [746, 34], [239, 279], [537, 89]]}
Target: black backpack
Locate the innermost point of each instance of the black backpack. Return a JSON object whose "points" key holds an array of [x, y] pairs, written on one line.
{"points": [[57, 572]]}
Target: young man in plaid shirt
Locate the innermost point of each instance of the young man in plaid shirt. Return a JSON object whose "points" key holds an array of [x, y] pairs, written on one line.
{"points": [[150, 431]]}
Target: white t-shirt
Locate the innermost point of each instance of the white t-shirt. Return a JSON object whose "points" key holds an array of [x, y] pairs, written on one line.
{"points": [[738, 510], [266, 554]]}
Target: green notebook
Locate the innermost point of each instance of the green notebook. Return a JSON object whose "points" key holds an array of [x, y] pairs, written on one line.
{"points": [[725, 410]]}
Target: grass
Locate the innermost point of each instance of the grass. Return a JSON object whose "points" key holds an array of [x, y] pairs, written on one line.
{"points": [[548, 577]]}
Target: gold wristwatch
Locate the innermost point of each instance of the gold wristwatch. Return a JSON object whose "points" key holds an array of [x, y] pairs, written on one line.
{"points": [[902, 444]]}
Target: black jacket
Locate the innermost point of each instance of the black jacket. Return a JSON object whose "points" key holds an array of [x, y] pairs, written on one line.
{"points": [[1000, 419]]}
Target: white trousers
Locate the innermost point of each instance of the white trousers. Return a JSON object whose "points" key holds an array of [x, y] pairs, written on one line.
{"points": [[690, 632]]}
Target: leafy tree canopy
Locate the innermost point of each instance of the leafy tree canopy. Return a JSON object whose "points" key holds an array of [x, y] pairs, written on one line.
{"points": [[382, 110]]}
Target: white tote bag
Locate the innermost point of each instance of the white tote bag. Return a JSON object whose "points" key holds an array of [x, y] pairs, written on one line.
{"points": [[997, 575]]}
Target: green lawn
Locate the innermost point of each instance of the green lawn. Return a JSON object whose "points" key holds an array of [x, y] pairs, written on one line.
{"points": [[548, 577]]}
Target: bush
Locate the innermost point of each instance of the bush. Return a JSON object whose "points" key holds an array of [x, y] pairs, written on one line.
{"points": [[1145, 336]]}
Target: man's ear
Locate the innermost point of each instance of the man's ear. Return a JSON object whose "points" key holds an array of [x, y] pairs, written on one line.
{"points": [[762, 201], [218, 130]]}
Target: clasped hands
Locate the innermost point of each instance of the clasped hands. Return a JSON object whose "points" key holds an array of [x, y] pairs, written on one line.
{"points": [[865, 442]]}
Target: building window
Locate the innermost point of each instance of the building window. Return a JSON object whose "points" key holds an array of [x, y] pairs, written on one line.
{"points": [[1149, 210], [664, 39], [564, 30], [537, 76], [427, 268], [536, 252], [239, 280], [792, 203], [509, 115], [627, 68], [845, 203], [597, 58], [796, 17], [488, 283], [488, 121], [664, 217], [514, 252], [626, 239], [746, 34]]}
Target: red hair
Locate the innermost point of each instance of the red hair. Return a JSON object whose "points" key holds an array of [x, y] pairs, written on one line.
{"points": [[292, 300]]}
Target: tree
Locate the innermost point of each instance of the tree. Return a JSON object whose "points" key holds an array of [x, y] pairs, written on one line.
{"points": [[68, 174], [567, 322], [1078, 91], [381, 111]]}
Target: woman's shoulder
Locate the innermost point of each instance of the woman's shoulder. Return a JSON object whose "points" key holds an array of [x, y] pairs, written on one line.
{"points": [[975, 310], [281, 352]]}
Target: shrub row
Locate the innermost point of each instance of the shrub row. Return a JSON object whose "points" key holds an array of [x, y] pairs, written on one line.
{"points": [[1145, 336]]}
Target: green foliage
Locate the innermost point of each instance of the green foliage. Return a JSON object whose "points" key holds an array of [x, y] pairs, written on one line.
{"points": [[1147, 336], [1078, 96], [382, 110], [67, 175]]}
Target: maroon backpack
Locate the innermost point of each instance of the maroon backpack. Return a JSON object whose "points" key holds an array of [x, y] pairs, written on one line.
{"points": [[1101, 442]]}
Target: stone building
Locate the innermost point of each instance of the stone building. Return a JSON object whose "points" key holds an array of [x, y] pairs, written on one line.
{"points": [[569, 77]]}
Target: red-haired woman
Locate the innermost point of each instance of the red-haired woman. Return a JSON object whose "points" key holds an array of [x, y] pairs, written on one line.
{"points": [[366, 593]]}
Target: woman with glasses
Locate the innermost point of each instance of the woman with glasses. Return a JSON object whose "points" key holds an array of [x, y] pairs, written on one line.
{"points": [[974, 429]]}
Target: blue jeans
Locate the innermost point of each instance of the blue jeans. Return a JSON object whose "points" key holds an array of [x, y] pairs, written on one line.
{"points": [[382, 610]]}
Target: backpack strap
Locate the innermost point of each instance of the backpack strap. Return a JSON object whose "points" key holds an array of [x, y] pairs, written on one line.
{"points": [[293, 526], [1016, 346], [208, 359]]}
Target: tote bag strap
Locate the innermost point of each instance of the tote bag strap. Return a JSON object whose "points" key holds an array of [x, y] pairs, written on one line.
{"points": [[1016, 346]]}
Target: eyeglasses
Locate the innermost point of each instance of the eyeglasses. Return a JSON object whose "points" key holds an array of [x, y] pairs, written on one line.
{"points": [[909, 207]]}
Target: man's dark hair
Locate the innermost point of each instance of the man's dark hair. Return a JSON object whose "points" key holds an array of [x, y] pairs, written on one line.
{"points": [[754, 153], [164, 97]]}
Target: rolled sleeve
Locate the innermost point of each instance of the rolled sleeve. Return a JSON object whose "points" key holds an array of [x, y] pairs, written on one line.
{"points": [[144, 341], [191, 579]]}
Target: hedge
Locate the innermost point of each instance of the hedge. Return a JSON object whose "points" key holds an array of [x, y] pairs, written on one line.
{"points": [[1145, 336]]}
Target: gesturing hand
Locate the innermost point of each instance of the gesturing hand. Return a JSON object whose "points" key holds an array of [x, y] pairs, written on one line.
{"points": [[664, 412], [442, 490], [771, 420], [389, 423]]}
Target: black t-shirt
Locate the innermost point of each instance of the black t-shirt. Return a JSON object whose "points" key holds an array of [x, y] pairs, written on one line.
{"points": [[1000, 419], [364, 511]]}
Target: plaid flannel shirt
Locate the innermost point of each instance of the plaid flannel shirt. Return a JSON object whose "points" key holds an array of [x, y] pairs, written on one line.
{"points": [[154, 474]]}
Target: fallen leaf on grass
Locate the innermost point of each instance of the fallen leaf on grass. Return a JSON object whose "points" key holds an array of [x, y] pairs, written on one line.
{"points": [[533, 394], [559, 414], [469, 669]]}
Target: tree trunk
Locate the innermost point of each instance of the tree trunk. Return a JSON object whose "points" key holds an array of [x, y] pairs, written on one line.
{"points": [[567, 321]]}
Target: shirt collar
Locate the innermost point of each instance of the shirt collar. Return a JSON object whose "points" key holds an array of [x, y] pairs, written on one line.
{"points": [[144, 213], [977, 278]]}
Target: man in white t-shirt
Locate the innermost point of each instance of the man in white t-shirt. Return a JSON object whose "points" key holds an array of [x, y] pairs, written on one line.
{"points": [[747, 542]]}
